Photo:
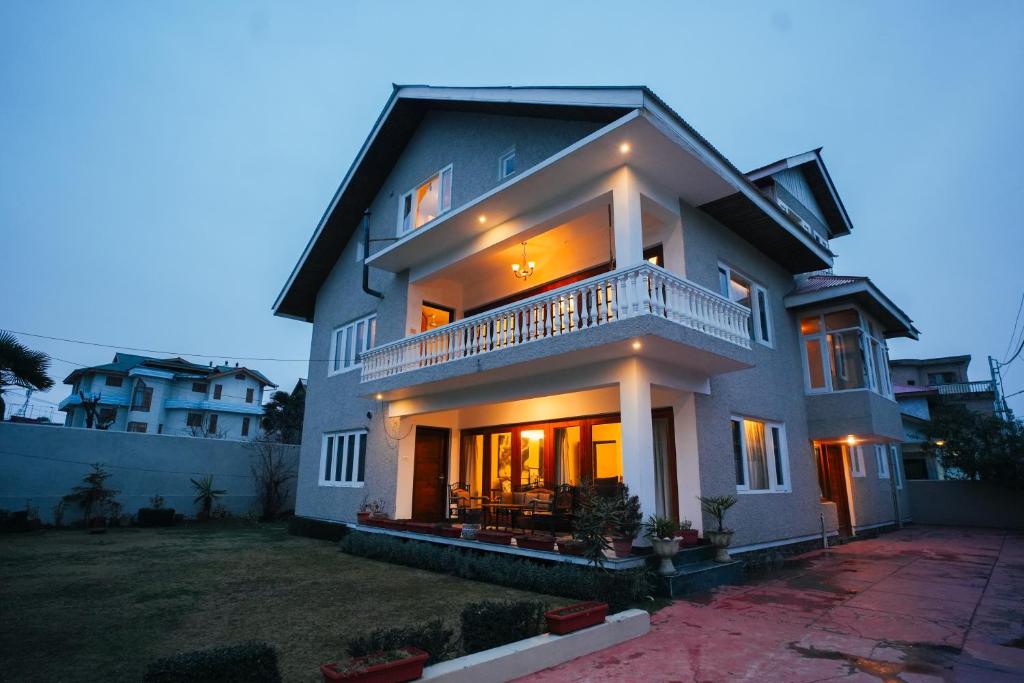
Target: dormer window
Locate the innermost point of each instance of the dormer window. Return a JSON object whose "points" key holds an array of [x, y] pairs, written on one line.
{"points": [[426, 201]]}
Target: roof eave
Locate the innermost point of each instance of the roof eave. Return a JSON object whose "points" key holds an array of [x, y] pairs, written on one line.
{"points": [[904, 326]]}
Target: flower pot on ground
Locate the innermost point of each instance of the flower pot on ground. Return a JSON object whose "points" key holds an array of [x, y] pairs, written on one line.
{"points": [[395, 666], [535, 542], [686, 535], [623, 546], [575, 617], [716, 506], [498, 537], [370, 507], [572, 547], [721, 541], [666, 549], [362, 517]]}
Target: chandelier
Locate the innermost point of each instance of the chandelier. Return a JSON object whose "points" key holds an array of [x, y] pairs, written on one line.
{"points": [[525, 269]]}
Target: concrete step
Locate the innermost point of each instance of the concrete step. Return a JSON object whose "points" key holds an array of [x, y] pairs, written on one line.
{"points": [[698, 576], [694, 554]]}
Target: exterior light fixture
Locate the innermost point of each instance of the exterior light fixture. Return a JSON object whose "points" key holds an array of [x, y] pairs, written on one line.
{"points": [[940, 443], [624, 148], [525, 269], [637, 345], [380, 397], [482, 219], [851, 440]]}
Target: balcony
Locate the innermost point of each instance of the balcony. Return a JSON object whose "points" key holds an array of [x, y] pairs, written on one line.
{"points": [[961, 388], [576, 311]]}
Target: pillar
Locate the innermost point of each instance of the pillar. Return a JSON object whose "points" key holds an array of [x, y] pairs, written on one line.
{"points": [[637, 435]]}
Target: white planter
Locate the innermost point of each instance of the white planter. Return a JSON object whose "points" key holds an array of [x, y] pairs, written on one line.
{"points": [[721, 541], [666, 549], [469, 531]]}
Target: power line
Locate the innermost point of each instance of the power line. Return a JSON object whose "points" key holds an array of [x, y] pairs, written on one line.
{"points": [[1013, 332], [120, 467]]}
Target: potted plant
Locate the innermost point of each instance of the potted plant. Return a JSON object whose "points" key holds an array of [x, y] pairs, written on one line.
{"points": [[205, 496], [662, 533], [716, 506], [571, 546], [368, 508], [627, 524], [575, 617], [93, 497], [390, 666], [596, 516], [687, 534], [471, 519], [494, 536], [531, 542]]}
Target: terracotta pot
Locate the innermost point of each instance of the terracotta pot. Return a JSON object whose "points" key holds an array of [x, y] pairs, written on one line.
{"points": [[535, 543], [396, 671], [498, 537], [687, 537], [575, 617], [666, 549], [721, 541], [623, 546], [362, 517], [574, 548]]}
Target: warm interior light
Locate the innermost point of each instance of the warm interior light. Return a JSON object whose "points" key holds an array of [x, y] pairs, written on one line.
{"points": [[624, 147], [636, 345], [515, 267], [940, 443], [482, 218], [532, 434], [851, 440], [380, 397]]}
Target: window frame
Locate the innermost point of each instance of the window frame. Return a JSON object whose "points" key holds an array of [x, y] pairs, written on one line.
{"points": [[113, 381], [134, 427], [218, 391], [338, 442], [873, 350], [250, 394], [507, 154], [442, 209], [855, 454], [897, 472], [188, 419], [205, 388], [343, 332], [761, 332], [882, 461], [770, 455], [147, 399], [245, 425]]}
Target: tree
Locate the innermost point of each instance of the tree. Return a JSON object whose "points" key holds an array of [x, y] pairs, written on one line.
{"points": [[206, 430], [94, 494], [272, 467], [206, 494], [973, 445], [21, 367], [93, 416], [283, 414]]}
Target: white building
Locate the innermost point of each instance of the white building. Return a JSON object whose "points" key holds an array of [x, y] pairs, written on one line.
{"points": [[169, 396]]}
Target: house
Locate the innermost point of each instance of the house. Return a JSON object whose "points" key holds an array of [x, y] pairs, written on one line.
{"points": [[920, 385], [169, 396], [531, 287]]}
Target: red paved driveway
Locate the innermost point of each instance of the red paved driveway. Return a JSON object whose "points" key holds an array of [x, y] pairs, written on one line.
{"points": [[922, 604]]}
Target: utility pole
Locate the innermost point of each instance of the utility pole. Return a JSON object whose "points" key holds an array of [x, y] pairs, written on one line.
{"points": [[997, 385]]}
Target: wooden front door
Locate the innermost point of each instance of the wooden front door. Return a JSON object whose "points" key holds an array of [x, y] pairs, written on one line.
{"points": [[834, 485], [430, 474]]}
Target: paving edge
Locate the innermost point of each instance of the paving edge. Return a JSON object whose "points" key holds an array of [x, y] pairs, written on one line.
{"points": [[525, 657]]}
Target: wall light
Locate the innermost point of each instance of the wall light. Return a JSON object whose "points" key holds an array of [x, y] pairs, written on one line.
{"points": [[482, 218], [380, 397], [851, 440], [624, 148], [637, 345], [940, 443]]}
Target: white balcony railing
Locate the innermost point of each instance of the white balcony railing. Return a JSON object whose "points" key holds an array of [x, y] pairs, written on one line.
{"points": [[601, 300], [984, 386]]}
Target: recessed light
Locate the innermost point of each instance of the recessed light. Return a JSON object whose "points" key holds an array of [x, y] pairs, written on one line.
{"points": [[380, 397], [624, 148], [636, 345], [482, 218]]}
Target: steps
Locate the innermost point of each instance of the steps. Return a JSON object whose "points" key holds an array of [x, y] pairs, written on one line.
{"points": [[697, 571]]}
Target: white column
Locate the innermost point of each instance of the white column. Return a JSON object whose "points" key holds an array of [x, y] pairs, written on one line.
{"points": [[637, 435], [626, 219]]}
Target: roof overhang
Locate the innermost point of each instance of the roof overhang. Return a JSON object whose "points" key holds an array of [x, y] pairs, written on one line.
{"points": [[895, 323], [944, 360]]}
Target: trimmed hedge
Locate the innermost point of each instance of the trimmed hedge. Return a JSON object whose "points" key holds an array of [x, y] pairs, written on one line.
{"points": [[317, 528], [493, 623], [619, 589], [433, 637], [254, 662]]}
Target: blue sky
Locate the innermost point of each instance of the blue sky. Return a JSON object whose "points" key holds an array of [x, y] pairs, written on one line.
{"points": [[162, 165]]}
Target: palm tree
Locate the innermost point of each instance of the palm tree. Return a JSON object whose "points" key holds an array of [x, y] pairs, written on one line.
{"points": [[283, 414], [206, 495], [21, 367]]}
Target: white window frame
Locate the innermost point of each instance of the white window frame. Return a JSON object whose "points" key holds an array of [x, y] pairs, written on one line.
{"points": [[773, 479], [856, 457], [873, 350], [337, 364], [882, 461], [340, 458], [897, 472], [442, 208], [764, 335], [501, 163]]}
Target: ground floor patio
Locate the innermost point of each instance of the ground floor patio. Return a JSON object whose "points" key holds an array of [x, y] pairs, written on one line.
{"points": [[921, 604]]}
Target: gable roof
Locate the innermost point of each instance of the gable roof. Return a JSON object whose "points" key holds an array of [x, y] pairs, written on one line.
{"points": [[817, 176], [819, 289], [406, 108], [943, 360], [123, 363]]}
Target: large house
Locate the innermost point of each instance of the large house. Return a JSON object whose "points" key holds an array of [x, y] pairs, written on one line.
{"points": [[920, 384], [168, 396], [521, 287]]}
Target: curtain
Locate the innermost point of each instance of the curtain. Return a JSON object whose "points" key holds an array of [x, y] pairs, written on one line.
{"points": [[757, 455], [469, 455], [567, 452], [661, 473]]}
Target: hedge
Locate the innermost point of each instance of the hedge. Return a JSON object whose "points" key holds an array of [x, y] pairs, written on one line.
{"points": [[619, 589], [493, 623], [316, 528], [254, 662], [432, 636]]}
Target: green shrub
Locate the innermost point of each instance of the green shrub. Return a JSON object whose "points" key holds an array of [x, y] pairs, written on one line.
{"points": [[316, 528], [619, 589], [491, 623], [253, 661], [433, 637]]}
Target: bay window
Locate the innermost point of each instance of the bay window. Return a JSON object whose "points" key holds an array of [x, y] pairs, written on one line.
{"points": [[843, 351], [759, 454], [426, 201]]}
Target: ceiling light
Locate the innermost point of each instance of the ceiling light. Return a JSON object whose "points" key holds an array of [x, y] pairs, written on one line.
{"points": [[624, 148], [636, 346], [380, 397], [851, 440], [482, 218], [525, 269]]}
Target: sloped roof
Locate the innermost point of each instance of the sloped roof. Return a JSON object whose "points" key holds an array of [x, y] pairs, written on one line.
{"points": [[943, 360], [123, 363], [817, 283], [815, 290]]}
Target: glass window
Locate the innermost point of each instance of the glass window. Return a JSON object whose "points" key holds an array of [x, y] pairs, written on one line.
{"points": [[567, 454], [847, 360], [760, 453], [606, 454], [507, 164], [745, 292], [856, 455], [531, 453], [142, 398], [882, 461], [846, 342], [501, 463], [427, 201], [349, 342], [815, 363], [897, 475], [342, 461], [737, 453]]}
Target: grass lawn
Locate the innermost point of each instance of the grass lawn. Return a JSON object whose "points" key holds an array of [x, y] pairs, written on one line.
{"points": [[80, 607]]}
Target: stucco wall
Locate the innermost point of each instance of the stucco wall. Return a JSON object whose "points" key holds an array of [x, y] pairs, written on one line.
{"points": [[862, 412], [966, 503], [41, 464]]}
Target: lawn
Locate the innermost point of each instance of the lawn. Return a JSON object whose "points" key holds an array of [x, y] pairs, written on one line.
{"points": [[100, 607]]}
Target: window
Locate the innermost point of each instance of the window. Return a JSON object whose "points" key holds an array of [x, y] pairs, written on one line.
{"points": [[856, 454], [245, 426], [882, 460], [744, 291], [212, 426], [217, 390], [349, 342], [240, 375], [343, 459], [507, 164], [937, 378], [142, 398], [249, 395], [427, 201], [114, 381], [194, 420], [759, 452], [138, 427], [108, 414], [897, 475], [200, 387], [843, 351]]}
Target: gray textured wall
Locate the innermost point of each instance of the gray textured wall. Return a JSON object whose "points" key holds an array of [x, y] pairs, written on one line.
{"points": [[40, 464], [834, 416], [966, 503]]}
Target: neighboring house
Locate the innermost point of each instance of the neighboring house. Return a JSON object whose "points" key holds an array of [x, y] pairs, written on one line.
{"points": [[920, 384], [558, 284], [170, 396]]}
